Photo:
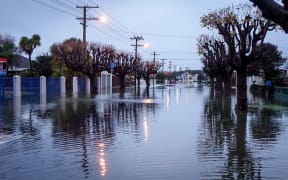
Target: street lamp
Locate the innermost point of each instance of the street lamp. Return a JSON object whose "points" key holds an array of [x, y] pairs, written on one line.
{"points": [[103, 19], [146, 45]]}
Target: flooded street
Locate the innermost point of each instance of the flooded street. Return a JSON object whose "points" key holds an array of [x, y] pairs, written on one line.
{"points": [[184, 132]]}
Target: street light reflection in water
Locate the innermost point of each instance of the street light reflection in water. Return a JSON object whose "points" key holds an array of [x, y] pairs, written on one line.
{"points": [[102, 160]]}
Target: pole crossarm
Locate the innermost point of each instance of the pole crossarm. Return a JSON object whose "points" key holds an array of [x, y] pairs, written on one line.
{"points": [[154, 54], [85, 19], [162, 64], [136, 45]]}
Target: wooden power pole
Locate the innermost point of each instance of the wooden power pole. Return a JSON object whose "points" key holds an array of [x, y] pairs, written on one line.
{"points": [[85, 18]]}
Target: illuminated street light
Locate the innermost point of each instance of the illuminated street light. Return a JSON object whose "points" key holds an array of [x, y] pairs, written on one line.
{"points": [[146, 45], [103, 19]]}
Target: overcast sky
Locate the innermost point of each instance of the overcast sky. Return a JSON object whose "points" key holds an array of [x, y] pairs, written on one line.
{"points": [[170, 27]]}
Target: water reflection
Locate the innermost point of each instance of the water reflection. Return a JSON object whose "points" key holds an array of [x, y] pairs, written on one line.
{"points": [[188, 133], [102, 161], [225, 141], [98, 122], [175, 92], [146, 128], [266, 125]]}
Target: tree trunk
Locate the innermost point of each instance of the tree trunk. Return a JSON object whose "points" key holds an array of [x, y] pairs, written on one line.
{"points": [[147, 81], [93, 84], [243, 158], [227, 86], [138, 86], [122, 84], [30, 64], [138, 81], [147, 91], [242, 104], [218, 85]]}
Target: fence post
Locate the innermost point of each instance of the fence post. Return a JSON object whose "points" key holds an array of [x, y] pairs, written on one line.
{"points": [[16, 86], [105, 82], [42, 85], [62, 85], [99, 88], [17, 106], [75, 85]]}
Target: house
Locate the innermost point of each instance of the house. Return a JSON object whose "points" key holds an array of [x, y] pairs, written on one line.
{"points": [[3, 66], [18, 64]]}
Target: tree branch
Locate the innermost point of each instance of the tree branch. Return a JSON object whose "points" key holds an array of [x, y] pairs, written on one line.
{"points": [[274, 12]]}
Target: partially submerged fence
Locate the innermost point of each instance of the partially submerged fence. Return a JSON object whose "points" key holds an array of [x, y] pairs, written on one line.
{"points": [[24, 86], [36, 86]]}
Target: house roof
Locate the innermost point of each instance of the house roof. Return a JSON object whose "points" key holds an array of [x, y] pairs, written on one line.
{"points": [[2, 59], [19, 61]]}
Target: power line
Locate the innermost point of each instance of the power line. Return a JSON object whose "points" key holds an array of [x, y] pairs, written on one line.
{"points": [[119, 29], [54, 8], [117, 33], [112, 36], [122, 27], [60, 3], [71, 2], [115, 26], [177, 52], [91, 2], [185, 59], [67, 4], [82, 2], [169, 35]]}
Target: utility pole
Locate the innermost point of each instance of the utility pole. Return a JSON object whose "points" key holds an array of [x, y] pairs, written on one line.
{"points": [[162, 64], [136, 45], [170, 64], [84, 24], [154, 56], [85, 18]]}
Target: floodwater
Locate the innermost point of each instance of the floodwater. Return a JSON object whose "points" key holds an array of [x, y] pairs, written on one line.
{"points": [[183, 132]]}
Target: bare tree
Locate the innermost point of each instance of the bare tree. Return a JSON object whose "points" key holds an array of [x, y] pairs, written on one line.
{"points": [[89, 59], [125, 64], [215, 60], [147, 69], [242, 29]]}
